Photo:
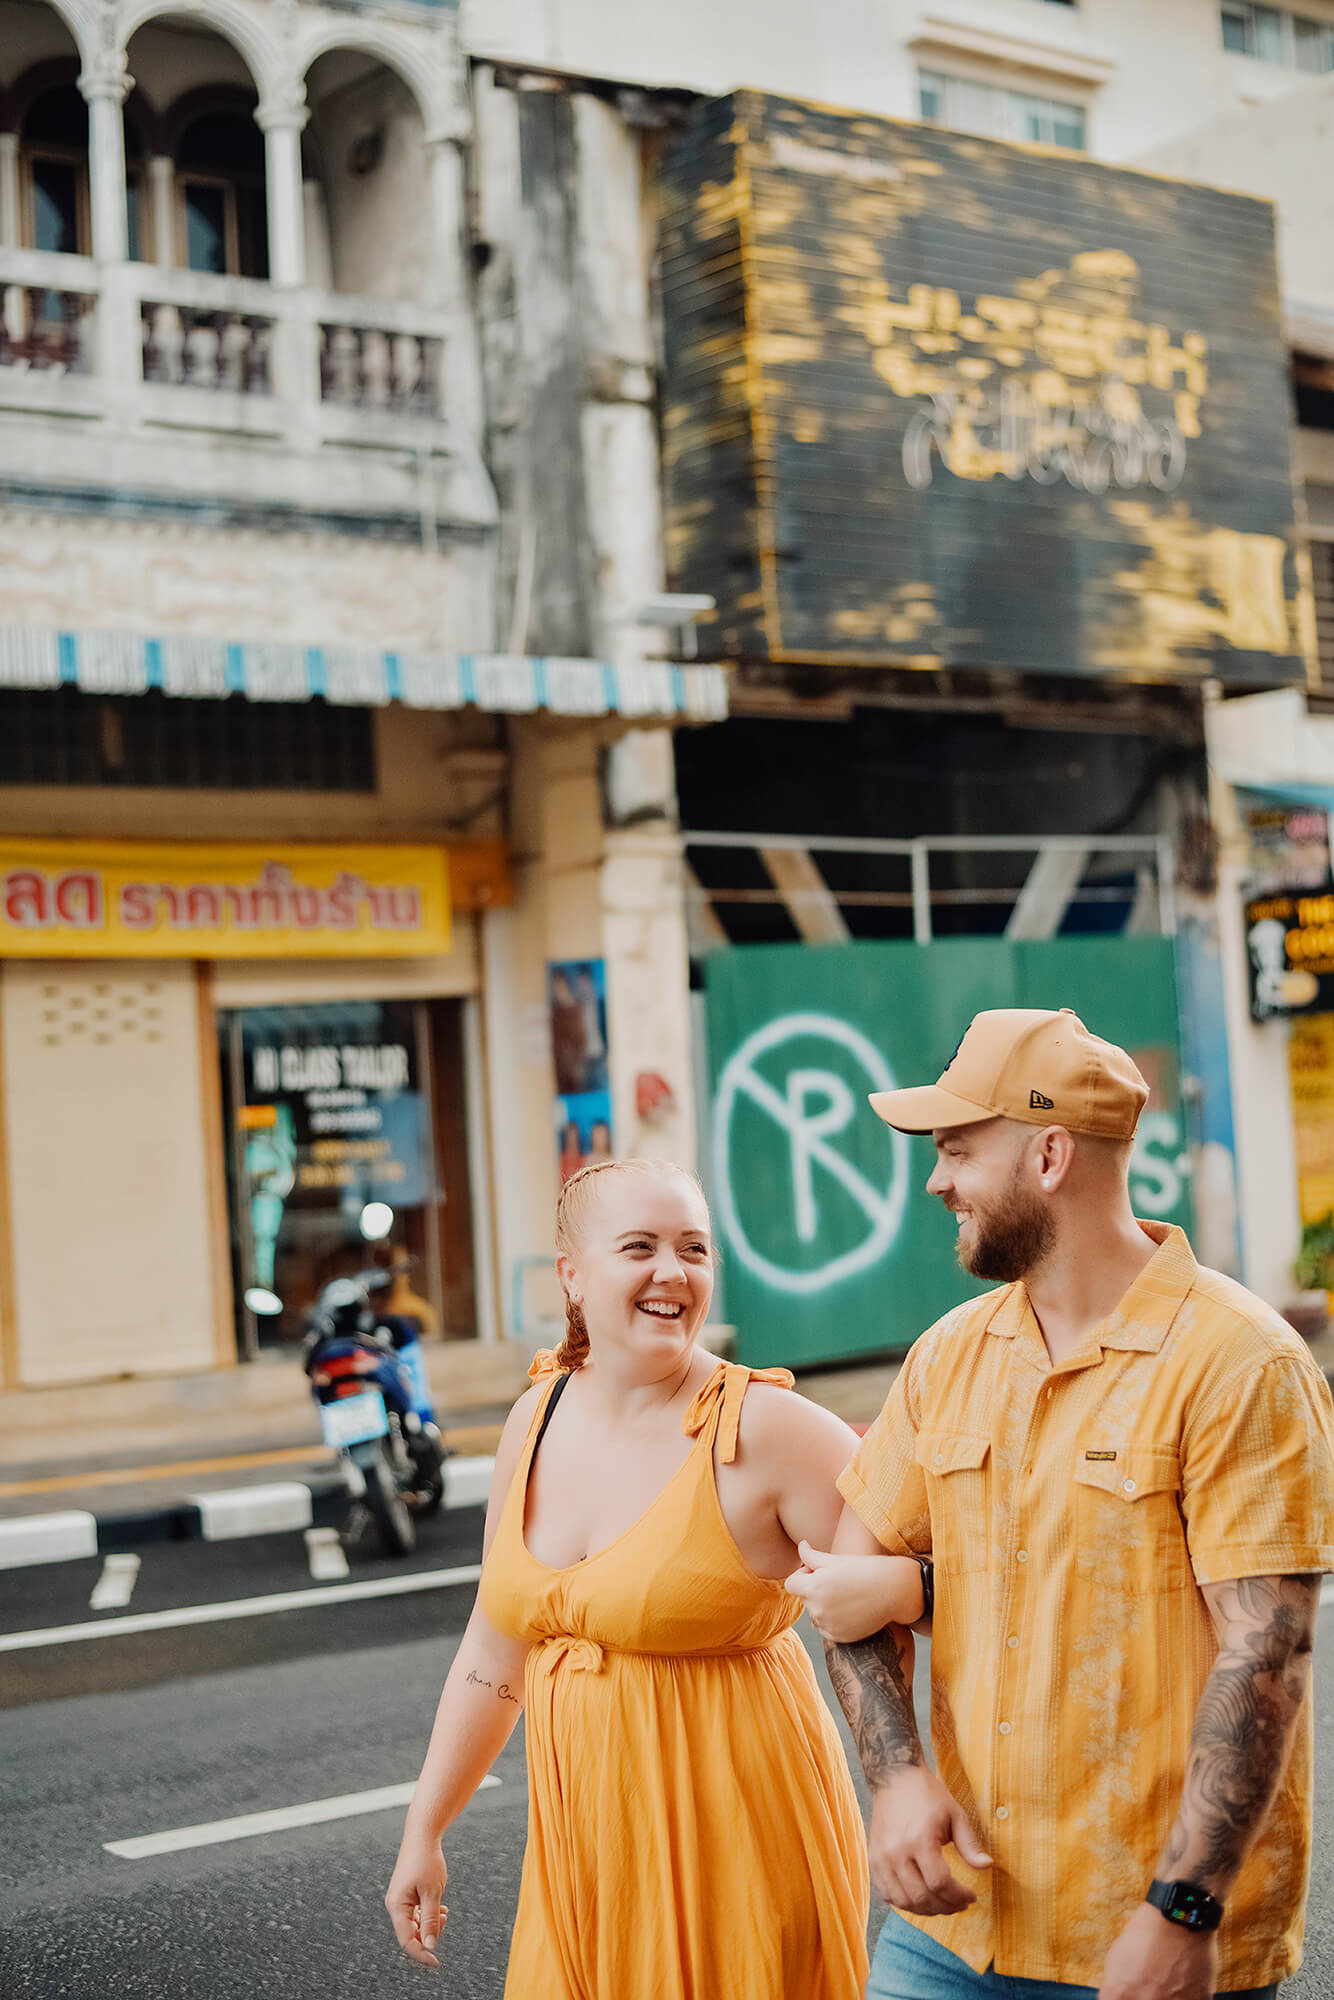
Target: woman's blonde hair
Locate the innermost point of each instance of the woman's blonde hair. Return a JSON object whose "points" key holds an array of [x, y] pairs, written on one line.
{"points": [[572, 1208]]}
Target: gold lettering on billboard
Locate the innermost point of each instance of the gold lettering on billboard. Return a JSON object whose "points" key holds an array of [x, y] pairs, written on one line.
{"points": [[1063, 382]]}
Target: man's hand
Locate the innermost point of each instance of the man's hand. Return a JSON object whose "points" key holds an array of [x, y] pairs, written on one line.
{"points": [[913, 1819], [1155, 1960]]}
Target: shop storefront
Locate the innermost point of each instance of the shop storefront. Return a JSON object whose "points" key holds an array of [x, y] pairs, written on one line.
{"points": [[231, 1072]]}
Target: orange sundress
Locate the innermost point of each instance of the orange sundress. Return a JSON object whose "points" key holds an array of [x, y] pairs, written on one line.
{"points": [[693, 1833]]}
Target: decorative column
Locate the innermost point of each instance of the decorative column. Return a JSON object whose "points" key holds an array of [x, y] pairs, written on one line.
{"points": [[104, 84], [282, 124], [104, 88], [448, 279], [162, 208], [9, 190]]}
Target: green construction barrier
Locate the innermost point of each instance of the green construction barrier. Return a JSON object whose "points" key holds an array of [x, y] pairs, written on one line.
{"points": [[830, 1247]]}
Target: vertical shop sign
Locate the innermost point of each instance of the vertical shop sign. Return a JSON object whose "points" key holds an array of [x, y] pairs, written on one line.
{"points": [[577, 1010], [1311, 1066]]}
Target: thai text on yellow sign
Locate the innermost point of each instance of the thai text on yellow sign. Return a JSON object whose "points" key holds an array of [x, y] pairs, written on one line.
{"points": [[132, 899]]}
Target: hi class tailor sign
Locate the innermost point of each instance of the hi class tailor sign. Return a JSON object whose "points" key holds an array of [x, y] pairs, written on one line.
{"points": [[147, 900], [934, 400]]}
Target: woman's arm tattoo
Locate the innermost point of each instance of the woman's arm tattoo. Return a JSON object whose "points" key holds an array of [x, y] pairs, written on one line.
{"points": [[1243, 1724], [873, 1681], [503, 1692]]}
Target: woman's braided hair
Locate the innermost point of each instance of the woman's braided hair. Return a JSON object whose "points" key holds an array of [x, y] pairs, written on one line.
{"points": [[573, 1204]]}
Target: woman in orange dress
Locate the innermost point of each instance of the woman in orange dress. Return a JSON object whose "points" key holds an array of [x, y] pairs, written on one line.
{"points": [[693, 1833]]}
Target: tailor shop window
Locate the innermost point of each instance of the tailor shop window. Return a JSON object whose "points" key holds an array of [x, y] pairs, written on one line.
{"points": [[347, 1154], [61, 736]]}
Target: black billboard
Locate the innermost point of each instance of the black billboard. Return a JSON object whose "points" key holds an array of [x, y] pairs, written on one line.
{"points": [[938, 401]]}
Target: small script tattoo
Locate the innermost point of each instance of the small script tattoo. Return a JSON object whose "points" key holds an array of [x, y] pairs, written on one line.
{"points": [[503, 1692], [873, 1681]]}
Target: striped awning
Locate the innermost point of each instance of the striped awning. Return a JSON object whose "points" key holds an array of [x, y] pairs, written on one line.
{"points": [[122, 663]]}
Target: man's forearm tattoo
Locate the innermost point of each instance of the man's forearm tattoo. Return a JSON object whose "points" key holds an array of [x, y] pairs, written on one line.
{"points": [[873, 1681], [1242, 1724]]}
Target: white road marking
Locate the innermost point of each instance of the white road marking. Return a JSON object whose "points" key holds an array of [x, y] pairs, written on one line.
{"points": [[247, 1825], [115, 1587], [240, 1607], [326, 1555]]}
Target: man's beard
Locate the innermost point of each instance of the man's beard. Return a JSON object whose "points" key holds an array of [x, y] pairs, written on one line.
{"points": [[1010, 1238]]}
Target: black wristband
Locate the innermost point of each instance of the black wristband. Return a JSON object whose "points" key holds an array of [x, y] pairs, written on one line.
{"points": [[928, 1569]]}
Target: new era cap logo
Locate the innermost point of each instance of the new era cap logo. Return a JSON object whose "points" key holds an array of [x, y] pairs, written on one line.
{"points": [[1037, 1102]]}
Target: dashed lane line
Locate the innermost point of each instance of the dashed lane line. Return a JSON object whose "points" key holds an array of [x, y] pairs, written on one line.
{"points": [[239, 1607], [115, 1587], [247, 1825]]}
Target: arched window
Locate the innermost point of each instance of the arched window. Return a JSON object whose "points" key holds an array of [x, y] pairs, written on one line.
{"points": [[53, 166], [221, 216]]}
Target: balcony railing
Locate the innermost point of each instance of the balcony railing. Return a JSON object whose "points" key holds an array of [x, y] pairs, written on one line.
{"points": [[155, 346]]}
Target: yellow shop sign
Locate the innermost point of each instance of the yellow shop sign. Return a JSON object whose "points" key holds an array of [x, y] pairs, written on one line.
{"points": [[145, 899]]}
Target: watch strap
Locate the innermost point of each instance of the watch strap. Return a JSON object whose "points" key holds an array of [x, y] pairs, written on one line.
{"points": [[1185, 1903]]}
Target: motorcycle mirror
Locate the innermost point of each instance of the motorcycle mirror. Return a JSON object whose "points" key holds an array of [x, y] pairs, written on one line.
{"points": [[263, 1302]]}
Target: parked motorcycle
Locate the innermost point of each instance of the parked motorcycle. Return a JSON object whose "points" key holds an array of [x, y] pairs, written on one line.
{"points": [[368, 1376]]}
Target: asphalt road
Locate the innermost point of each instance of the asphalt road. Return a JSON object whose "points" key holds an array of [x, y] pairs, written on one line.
{"points": [[130, 1735]]}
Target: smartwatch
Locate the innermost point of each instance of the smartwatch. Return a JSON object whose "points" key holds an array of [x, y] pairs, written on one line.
{"points": [[1186, 1904]]}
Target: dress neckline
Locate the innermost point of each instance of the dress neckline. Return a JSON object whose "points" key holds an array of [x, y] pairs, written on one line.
{"points": [[595, 1555]]}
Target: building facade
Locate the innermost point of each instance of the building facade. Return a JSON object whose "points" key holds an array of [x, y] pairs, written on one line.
{"points": [[368, 462], [309, 738]]}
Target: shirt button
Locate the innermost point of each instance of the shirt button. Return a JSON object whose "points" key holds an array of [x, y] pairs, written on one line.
{"points": [[1012, 1642], [1002, 1812], [1005, 1728], [940, 1458], [1022, 1556], [1128, 1486]]}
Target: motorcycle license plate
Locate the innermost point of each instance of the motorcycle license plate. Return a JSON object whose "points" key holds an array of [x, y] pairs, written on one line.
{"points": [[354, 1419]]}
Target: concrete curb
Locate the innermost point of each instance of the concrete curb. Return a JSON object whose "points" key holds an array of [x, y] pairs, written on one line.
{"points": [[286, 1507]]}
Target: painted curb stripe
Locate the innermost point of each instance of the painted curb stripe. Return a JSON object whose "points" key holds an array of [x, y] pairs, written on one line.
{"points": [[47, 1538], [287, 1507]]}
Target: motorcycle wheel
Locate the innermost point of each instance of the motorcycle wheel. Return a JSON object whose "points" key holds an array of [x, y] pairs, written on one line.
{"points": [[389, 1510], [429, 1469]]}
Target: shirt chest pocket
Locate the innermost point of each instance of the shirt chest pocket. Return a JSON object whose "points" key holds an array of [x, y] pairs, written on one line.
{"points": [[957, 1468], [1129, 1533]]}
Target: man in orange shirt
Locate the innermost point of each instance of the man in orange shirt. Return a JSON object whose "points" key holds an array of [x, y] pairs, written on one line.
{"points": [[1122, 1469]]}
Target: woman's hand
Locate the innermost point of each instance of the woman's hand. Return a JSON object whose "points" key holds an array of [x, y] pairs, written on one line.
{"points": [[415, 1897], [851, 1596]]}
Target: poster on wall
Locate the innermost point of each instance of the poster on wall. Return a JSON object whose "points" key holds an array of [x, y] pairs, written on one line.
{"points": [[1287, 845], [577, 1010]]}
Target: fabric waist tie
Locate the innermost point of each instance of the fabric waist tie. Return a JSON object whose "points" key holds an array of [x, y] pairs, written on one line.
{"points": [[588, 1656], [566, 1649]]}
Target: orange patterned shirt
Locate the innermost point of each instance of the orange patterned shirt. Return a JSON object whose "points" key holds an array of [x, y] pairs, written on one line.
{"points": [[1073, 1511]]}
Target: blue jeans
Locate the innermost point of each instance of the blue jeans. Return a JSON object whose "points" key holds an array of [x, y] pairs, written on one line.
{"points": [[909, 1965]]}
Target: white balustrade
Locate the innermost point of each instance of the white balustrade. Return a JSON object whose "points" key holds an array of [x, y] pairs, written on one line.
{"points": [[324, 365]]}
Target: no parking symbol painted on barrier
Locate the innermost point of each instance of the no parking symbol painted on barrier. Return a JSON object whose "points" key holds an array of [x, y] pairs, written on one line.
{"points": [[808, 1105]]}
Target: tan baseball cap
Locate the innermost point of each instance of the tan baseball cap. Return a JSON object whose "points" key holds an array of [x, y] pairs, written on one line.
{"points": [[1028, 1063]]}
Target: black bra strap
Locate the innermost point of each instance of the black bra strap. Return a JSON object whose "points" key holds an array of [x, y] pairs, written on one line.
{"points": [[562, 1382]]}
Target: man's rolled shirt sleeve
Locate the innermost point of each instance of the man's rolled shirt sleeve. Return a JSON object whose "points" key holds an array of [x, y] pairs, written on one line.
{"points": [[1257, 1475], [883, 1483]]}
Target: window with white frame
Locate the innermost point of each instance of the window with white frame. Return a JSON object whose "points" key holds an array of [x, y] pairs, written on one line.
{"points": [[1274, 35], [998, 112]]}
